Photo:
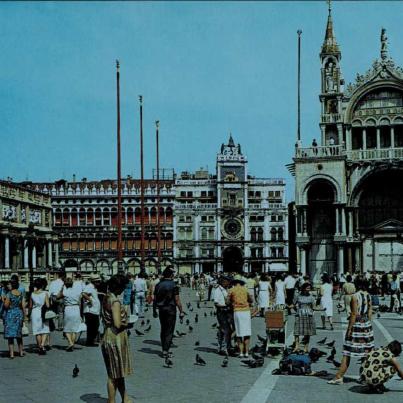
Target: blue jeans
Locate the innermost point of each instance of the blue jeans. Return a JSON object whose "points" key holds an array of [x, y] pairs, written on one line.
{"points": [[139, 301]]}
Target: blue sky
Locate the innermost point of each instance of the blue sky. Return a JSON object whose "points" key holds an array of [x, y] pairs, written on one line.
{"points": [[203, 68]]}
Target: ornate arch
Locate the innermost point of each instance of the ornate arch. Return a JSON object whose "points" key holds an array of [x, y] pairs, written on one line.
{"points": [[308, 182]]}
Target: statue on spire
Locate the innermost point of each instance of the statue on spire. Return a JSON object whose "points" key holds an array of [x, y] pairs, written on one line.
{"points": [[384, 44]]}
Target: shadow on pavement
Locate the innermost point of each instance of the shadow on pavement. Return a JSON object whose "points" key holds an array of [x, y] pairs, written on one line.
{"points": [[150, 351], [206, 349], [93, 398]]}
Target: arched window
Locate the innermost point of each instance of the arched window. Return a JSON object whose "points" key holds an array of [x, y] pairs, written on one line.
{"points": [[114, 216], [153, 215], [253, 234], [81, 216], [153, 240], [106, 216], [260, 234], [58, 217], [66, 217], [90, 216], [273, 234], [98, 217], [168, 215], [137, 215], [204, 233], [168, 240], [74, 219], [280, 234], [146, 216], [162, 215], [129, 213]]}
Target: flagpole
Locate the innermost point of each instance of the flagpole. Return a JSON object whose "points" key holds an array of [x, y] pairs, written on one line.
{"points": [[157, 125], [119, 245], [141, 184]]}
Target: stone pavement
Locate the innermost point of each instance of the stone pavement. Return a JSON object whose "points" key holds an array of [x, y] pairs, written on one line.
{"points": [[49, 378]]}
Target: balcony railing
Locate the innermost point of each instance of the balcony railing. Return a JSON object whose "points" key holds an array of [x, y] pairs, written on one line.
{"points": [[320, 152], [193, 206], [375, 154]]}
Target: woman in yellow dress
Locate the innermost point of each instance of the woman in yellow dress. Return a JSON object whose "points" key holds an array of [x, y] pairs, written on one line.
{"points": [[115, 341]]}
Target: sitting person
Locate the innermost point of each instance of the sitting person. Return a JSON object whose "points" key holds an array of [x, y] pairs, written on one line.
{"points": [[380, 366]]}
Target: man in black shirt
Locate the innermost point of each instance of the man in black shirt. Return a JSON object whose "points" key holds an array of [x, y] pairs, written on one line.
{"points": [[166, 299]]}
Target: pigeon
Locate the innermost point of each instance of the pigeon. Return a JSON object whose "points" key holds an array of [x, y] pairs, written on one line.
{"points": [[188, 305], [190, 329], [147, 329], [254, 363], [196, 318], [138, 333], [146, 310], [168, 362], [142, 323], [322, 342], [197, 343], [199, 360], [336, 364], [187, 322], [76, 370], [198, 305], [182, 334], [178, 333], [214, 325], [211, 313], [331, 344], [261, 339], [330, 358], [191, 309], [225, 362], [205, 302], [148, 321], [378, 315], [205, 314]]}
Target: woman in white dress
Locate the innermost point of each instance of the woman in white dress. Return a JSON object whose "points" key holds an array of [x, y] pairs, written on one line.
{"points": [[40, 328], [280, 291], [72, 318], [264, 291], [326, 300]]}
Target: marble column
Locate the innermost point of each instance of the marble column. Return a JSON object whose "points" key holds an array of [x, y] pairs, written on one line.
{"points": [[337, 221], [6, 252], [350, 223], [34, 257], [343, 221], [378, 138], [392, 137], [57, 263], [50, 254], [304, 225], [340, 266], [26, 255], [364, 138], [303, 261], [357, 259]]}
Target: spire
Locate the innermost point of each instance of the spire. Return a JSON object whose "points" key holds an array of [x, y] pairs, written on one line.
{"points": [[330, 44], [384, 45], [231, 141]]}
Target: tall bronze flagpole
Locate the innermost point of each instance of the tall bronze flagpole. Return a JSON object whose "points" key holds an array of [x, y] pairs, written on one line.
{"points": [[157, 126], [299, 32], [141, 184], [119, 246]]}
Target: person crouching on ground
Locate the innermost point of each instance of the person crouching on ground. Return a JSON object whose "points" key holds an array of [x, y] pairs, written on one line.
{"points": [[241, 301], [166, 300], [380, 366]]}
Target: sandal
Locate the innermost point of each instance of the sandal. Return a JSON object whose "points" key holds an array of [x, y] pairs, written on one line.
{"points": [[336, 381]]}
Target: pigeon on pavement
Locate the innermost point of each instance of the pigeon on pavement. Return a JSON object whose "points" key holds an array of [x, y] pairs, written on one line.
{"points": [[76, 370], [138, 333], [322, 342], [199, 360]]}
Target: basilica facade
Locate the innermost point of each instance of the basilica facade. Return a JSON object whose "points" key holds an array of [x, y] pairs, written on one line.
{"points": [[348, 183]]}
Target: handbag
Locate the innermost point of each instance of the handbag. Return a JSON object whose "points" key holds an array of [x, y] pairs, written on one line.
{"points": [[82, 328], [133, 318], [24, 330], [49, 314]]}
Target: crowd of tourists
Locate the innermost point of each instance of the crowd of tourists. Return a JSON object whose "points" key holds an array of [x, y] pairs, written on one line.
{"points": [[74, 306]]}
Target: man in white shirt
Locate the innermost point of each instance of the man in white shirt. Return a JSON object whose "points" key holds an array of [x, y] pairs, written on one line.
{"points": [[140, 291], [78, 282], [55, 287], [289, 283], [92, 309], [224, 315]]}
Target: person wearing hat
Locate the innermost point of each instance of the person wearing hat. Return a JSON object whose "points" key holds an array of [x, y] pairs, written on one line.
{"points": [[166, 300], [224, 315], [92, 308], [241, 301]]}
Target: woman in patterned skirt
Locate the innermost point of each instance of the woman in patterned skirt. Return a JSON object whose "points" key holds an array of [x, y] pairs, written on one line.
{"points": [[115, 341], [359, 339], [304, 319]]}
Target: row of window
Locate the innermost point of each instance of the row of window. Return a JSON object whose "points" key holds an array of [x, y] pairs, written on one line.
{"points": [[112, 200], [274, 252], [111, 244]]}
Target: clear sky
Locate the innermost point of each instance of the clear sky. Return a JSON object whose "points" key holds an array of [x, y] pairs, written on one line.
{"points": [[203, 68]]}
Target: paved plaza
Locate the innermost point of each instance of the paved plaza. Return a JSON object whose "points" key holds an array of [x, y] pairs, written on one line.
{"points": [[49, 378]]}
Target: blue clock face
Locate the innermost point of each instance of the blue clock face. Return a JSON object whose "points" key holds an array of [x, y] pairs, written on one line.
{"points": [[232, 227]]}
